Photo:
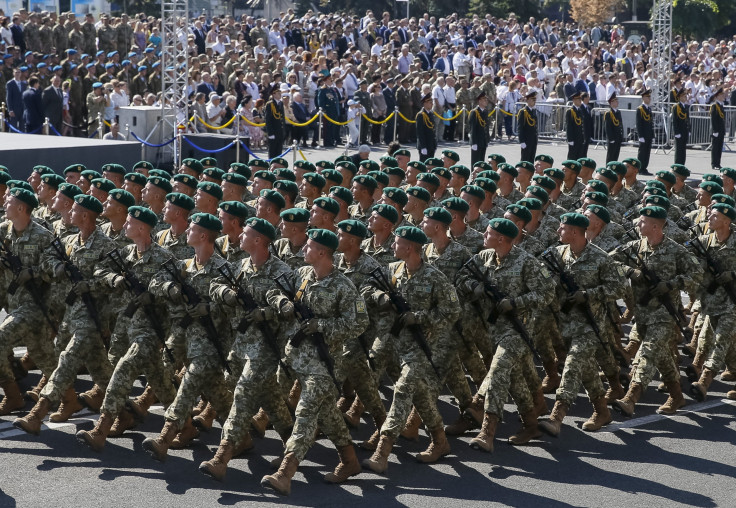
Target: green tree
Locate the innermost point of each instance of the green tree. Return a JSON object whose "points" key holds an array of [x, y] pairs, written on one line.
{"points": [[701, 19], [501, 8]]}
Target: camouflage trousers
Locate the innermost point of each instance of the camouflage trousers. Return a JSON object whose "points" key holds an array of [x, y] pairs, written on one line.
{"points": [[546, 335], [385, 357], [412, 389], [704, 332], [24, 325], [203, 377], [317, 406], [655, 354], [256, 387], [119, 341], [176, 342], [355, 369], [724, 329], [445, 357], [506, 376], [604, 354], [580, 367]]}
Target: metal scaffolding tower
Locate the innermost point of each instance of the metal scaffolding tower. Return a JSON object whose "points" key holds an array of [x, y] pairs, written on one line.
{"points": [[661, 52], [174, 73]]}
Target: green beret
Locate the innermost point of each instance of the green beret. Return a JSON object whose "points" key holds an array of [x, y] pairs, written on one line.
{"points": [[116, 168], [274, 197], [161, 183], [434, 162], [575, 165], [657, 201], [430, 178], [411, 233], [5, 178], [353, 227], [725, 209], [474, 191], [545, 182], [710, 177], [143, 214], [348, 165], [598, 197], [333, 175], [388, 161], [486, 184], [633, 161], [28, 197], [288, 187], [103, 184], [442, 172], [610, 174], [295, 215], [439, 214], [369, 165], [544, 158], [529, 166], [240, 169], [342, 193], [396, 194], [461, 170], [74, 168], [90, 174], [281, 161], [402, 151], [395, 171], [456, 204], [723, 198], [235, 208], [379, 176], [656, 212], [304, 164], [315, 179], [13, 184], [327, 204], [598, 186], [208, 161], [259, 163], [339, 159], [601, 212], [123, 197], [422, 167], [207, 221], [263, 227], [667, 176], [729, 172], [711, 187], [505, 227], [265, 175], [141, 164], [680, 169], [586, 162], [497, 158], [451, 155], [211, 188], [136, 178], [538, 193], [89, 202], [483, 165], [160, 173], [193, 164], [657, 184], [214, 173], [187, 180], [324, 237], [366, 181], [554, 173], [655, 191], [69, 190], [42, 170], [181, 200], [490, 174], [235, 179], [388, 212], [519, 211], [324, 164], [420, 193], [530, 203], [574, 219], [50, 179], [508, 168], [618, 167]]}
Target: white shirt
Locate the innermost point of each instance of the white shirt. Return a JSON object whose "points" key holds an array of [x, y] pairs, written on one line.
{"points": [[438, 95], [119, 99], [376, 50], [449, 94]]}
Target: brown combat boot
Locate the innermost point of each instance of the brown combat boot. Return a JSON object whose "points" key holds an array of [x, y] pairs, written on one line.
{"points": [[31, 423], [13, 399], [124, 421], [96, 437], [731, 395], [551, 381], [728, 375], [348, 466], [411, 429], [470, 418], [281, 480], [35, 393], [93, 398], [245, 445], [601, 416], [185, 436], [216, 467], [540, 404], [631, 349], [529, 430], [68, 407], [553, 425], [484, 439], [372, 441], [200, 406], [626, 405], [352, 416], [675, 401], [615, 390], [438, 447], [158, 447], [141, 404], [699, 389], [296, 391], [378, 463], [695, 369], [259, 423], [27, 362], [203, 421]]}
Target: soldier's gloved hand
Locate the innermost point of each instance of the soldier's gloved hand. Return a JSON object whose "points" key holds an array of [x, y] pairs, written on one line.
{"points": [[257, 315], [474, 147], [642, 140], [81, 288], [577, 297], [409, 318], [523, 145], [199, 310], [383, 302], [174, 292], [145, 298], [725, 277], [660, 289], [636, 275], [479, 291], [24, 276], [118, 282], [311, 326], [230, 297], [287, 310], [505, 305], [59, 271]]}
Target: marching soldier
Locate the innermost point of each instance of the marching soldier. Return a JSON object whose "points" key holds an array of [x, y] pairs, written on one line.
{"points": [[718, 124], [681, 126], [645, 130], [479, 129], [614, 129], [528, 128]]}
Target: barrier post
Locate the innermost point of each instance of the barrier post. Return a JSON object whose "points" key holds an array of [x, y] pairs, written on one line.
{"points": [[100, 126], [293, 152], [45, 126], [127, 131], [319, 127], [237, 138], [359, 119], [396, 121], [2, 119], [464, 112]]}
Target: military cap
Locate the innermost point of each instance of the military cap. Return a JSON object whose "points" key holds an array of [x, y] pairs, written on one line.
{"points": [[576, 94], [483, 165], [137, 178], [315, 179], [598, 186], [395, 171], [574, 165], [144, 215], [284, 174], [456, 204], [281, 161], [69, 190], [324, 164], [411, 233], [633, 161], [123, 197], [342, 158], [115, 168], [210, 188], [180, 200], [554, 173], [461, 170], [486, 184], [575, 219], [531, 203], [667, 176], [14, 184], [162, 173], [91, 203], [234, 178], [402, 151], [430, 178], [598, 197], [241, 169], [655, 212], [214, 173], [262, 226], [324, 237], [525, 165], [96, 85], [388, 212], [343, 194], [4, 168], [725, 209], [26, 196], [187, 180], [729, 172], [657, 184], [305, 165], [103, 184], [586, 162], [366, 181], [710, 177], [544, 158], [450, 154], [295, 215], [497, 158], [723, 198], [235, 208], [288, 187], [396, 194], [711, 187], [274, 197], [422, 167], [439, 214], [508, 168], [426, 97], [419, 193], [207, 221], [332, 175], [350, 166], [658, 201], [258, 163], [379, 176], [539, 193], [353, 227], [50, 179], [138, 165], [389, 161], [265, 175], [42, 170], [609, 173], [435, 162], [90, 174], [193, 164], [519, 211], [327, 204], [600, 211], [545, 182], [5, 178], [369, 165], [474, 190], [655, 191], [505, 227], [490, 174], [618, 167], [208, 161], [161, 183]]}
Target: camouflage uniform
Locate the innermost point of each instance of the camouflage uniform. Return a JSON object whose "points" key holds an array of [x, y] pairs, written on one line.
{"points": [[89, 37], [31, 36], [471, 240], [480, 224], [107, 38], [61, 39], [116, 236], [284, 250], [46, 37], [356, 212], [383, 253], [569, 197], [230, 251], [124, 38]]}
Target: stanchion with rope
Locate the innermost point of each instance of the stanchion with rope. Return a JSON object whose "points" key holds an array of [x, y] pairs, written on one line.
{"points": [[319, 127], [396, 111], [45, 126], [2, 119], [465, 120], [294, 146], [100, 126], [180, 130], [127, 131], [407, 120], [237, 138]]}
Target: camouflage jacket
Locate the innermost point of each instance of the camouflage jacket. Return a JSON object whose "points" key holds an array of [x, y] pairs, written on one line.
{"points": [[383, 253], [230, 251], [724, 254], [471, 240], [177, 245], [286, 252], [32, 247]]}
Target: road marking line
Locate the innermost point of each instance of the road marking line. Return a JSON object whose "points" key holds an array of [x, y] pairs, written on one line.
{"points": [[645, 420]]}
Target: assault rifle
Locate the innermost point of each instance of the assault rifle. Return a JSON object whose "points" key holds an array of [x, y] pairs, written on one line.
{"points": [[714, 267]]}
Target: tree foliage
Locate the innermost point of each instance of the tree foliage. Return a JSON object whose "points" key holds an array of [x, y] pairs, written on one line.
{"points": [[702, 19], [594, 12]]}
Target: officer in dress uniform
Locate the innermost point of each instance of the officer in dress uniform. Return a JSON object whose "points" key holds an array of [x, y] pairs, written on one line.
{"points": [[645, 129], [575, 128], [528, 133], [718, 124], [479, 129], [681, 126], [426, 140], [614, 129], [329, 101], [275, 124]]}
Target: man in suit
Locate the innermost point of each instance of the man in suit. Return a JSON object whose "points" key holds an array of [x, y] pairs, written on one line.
{"points": [[479, 129], [426, 139], [33, 106], [14, 99], [570, 87], [681, 126], [645, 130], [528, 133], [199, 37], [718, 124], [53, 102], [424, 58], [614, 129], [444, 63], [16, 31], [206, 87], [575, 129]]}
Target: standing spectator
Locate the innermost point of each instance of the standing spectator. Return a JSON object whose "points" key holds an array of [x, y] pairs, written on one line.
{"points": [[33, 106], [53, 103], [378, 106], [14, 99]]}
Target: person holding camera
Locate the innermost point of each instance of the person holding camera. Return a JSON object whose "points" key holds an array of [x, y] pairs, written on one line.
{"points": [[97, 100]]}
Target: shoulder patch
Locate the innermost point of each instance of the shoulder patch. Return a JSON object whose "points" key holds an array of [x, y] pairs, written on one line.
{"points": [[545, 273], [453, 295], [360, 307]]}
